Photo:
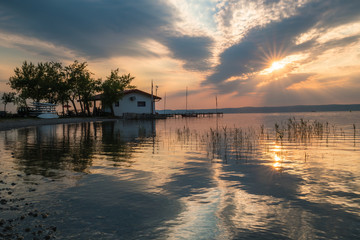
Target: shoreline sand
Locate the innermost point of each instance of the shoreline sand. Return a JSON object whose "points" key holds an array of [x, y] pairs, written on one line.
{"points": [[14, 123]]}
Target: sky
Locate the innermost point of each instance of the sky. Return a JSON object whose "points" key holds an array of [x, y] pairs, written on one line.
{"points": [[245, 52]]}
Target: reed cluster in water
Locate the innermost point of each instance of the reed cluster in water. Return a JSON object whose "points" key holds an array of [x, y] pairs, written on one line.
{"points": [[303, 130], [244, 143]]}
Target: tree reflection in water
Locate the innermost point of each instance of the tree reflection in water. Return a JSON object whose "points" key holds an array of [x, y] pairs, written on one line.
{"points": [[48, 150]]}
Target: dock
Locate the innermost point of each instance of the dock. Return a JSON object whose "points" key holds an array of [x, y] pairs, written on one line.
{"points": [[134, 116], [197, 114]]}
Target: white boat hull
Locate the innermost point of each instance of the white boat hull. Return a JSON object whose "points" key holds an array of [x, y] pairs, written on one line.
{"points": [[48, 115]]}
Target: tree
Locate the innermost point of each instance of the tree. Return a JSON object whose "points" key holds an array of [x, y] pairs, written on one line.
{"points": [[113, 88], [52, 81], [7, 98], [81, 86], [39, 82], [26, 82]]}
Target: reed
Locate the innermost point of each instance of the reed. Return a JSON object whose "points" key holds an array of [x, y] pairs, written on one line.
{"points": [[245, 143], [354, 127]]}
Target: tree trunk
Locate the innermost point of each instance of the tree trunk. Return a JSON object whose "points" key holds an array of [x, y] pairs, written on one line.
{"points": [[95, 111], [73, 103], [5, 107], [63, 111], [112, 110], [87, 108], [81, 105]]}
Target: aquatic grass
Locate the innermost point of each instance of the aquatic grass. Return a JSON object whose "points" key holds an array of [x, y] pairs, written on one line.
{"points": [[247, 143], [304, 131], [234, 142]]}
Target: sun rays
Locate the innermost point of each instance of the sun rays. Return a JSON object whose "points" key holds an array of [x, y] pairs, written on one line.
{"points": [[280, 64]]}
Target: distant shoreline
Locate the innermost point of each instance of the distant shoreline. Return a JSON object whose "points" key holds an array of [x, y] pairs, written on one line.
{"points": [[277, 109], [14, 123]]}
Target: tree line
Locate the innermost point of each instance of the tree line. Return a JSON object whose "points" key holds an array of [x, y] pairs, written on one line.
{"points": [[54, 83]]}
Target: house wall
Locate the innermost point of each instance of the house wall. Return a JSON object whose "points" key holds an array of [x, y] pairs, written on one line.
{"points": [[126, 105]]}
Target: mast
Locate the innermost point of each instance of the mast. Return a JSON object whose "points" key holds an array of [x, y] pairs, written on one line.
{"points": [[186, 99], [164, 102], [152, 97], [216, 105]]}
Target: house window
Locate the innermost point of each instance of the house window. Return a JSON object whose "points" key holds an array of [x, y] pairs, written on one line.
{"points": [[116, 103], [141, 103]]}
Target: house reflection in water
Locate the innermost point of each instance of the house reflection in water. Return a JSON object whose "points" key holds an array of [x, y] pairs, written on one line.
{"points": [[129, 130]]}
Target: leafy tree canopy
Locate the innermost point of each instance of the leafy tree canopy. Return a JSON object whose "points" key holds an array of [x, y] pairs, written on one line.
{"points": [[37, 82], [114, 86]]}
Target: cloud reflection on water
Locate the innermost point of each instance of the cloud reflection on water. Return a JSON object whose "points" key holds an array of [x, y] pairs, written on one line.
{"points": [[138, 180]]}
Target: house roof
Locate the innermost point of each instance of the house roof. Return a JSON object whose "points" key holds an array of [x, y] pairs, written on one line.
{"points": [[126, 92]]}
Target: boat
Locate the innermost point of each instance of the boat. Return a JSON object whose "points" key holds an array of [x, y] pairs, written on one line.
{"points": [[43, 110]]}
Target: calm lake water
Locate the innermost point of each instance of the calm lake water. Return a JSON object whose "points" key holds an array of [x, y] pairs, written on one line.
{"points": [[240, 176]]}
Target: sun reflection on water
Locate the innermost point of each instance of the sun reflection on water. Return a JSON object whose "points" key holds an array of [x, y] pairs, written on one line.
{"points": [[278, 157]]}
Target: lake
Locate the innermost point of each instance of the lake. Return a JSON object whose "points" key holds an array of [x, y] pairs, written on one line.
{"points": [[240, 176]]}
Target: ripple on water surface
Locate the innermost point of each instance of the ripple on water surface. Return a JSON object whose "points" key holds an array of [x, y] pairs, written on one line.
{"points": [[240, 176]]}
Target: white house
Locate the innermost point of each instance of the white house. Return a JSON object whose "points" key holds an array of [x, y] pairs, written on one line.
{"points": [[134, 101]]}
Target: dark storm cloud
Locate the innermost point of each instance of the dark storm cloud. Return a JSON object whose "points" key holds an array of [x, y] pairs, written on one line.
{"points": [[337, 12], [269, 2], [100, 29], [194, 50], [226, 87], [248, 56], [93, 28]]}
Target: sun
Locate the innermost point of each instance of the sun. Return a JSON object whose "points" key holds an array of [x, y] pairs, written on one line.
{"points": [[277, 65], [280, 64]]}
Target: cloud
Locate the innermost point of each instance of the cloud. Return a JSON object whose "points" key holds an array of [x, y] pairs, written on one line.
{"points": [[102, 29], [236, 18], [195, 51], [277, 39], [237, 60], [250, 54], [93, 28]]}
